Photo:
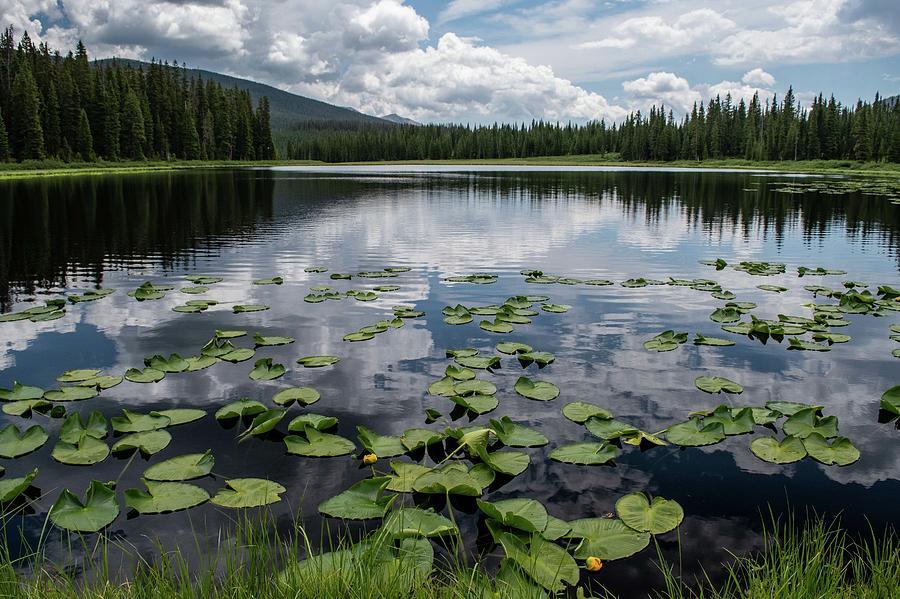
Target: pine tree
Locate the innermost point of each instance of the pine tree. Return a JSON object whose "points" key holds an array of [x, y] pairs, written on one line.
{"points": [[133, 134], [84, 141], [4, 140], [28, 135], [265, 148]]}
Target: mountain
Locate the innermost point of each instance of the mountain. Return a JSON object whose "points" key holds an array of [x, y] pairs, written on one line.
{"points": [[400, 120], [287, 109]]}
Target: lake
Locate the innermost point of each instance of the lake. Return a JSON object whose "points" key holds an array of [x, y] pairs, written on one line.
{"points": [[68, 235]]}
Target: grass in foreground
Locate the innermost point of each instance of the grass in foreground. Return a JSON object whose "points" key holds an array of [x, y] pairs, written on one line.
{"points": [[818, 561]]}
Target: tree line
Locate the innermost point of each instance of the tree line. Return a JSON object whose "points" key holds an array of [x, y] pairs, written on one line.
{"points": [[763, 130], [67, 108]]}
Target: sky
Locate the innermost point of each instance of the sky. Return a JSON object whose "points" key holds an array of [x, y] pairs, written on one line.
{"points": [[481, 61]]}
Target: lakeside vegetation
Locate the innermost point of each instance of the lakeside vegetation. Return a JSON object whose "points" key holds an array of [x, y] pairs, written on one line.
{"points": [[817, 560], [66, 109]]}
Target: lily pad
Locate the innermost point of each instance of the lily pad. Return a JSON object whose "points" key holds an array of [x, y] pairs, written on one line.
{"points": [[477, 402], [455, 480], [183, 467], [725, 315], [239, 409], [316, 421], [541, 358], [10, 488], [527, 515], [97, 511], [271, 281], [25, 407], [585, 453], [717, 384], [88, 450], [241, 308], [538, 390], [318, 361], [404, 476], [774, 288], [304, 396], [841, 452], [496, 326], [789, 408], [71, 394], [21, 393], [890, 400], [135, 422], [546, 563], [264, 422], [238, 355], [178, 416], [799, 344], [148, 442], [609, 428], [787, 451], [383, 446], [458, 373], [147, 375], [174, 363], [658, 517], [248, 492], [265, 370], [318, 444], [15, 443], [606, 538], [666, 341], [479, 362], [362, 501], [714, 341], [417, 438], [77, 376], [695, 433], [581, 411], [734, 421], [474, 387], [807, 421], [164, 497], [516, 435], [261, 341], [102, 382], [511, 463], [408, 522], [358, 336], [556, 308]]}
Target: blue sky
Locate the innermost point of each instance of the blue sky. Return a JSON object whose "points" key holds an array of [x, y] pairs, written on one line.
{"points": [[514, 60]]}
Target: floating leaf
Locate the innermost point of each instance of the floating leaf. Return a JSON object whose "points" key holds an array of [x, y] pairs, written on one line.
{"points": [[725, 315], [516, 435], [714, 341], [496, 326], [512, 347], [538, 390], [474, 387], [695, 433], [831, 337], [407, 522], [318, 361], [86, 451], [526, 515], [77, 376], [183, 467], [541, 358], [362, 501], [841, 452], [179, 416], [318, 444], [98, 510], [148, 442], [443, 387], [25, 407], [261, 341], [606, 538], [239, 409], [11, 488], [477, 402], [775, 288], [734, 421], [455, 480], [164, 497], [789, 408], [405, 474], [316, 421], [238, 355], [585, 453], [194, 290], [102, 382], [717, 384], [769, 449], [272, 281], [21, 393], [359, 336], [581, 411], [381, 445], [71, 394], [890, 400], [241, 308], [556, 308], [203, 279], [458, 374], [248, 492], [14, 443], [805, 422], [265, 370], [658, 517], [799, 344], [416, 438], [546, 563], [304, 396], [134, 422], [173, 363], [479, 362], [264, 422], [666, 341], [511, 463], [147, 375]]}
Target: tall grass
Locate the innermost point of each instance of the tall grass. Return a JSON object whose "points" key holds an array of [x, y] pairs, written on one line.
{"points": [[815, 561]]}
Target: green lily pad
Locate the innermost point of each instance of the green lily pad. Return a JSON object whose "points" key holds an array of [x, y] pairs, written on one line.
{"points": [[15, 443], [261, 341], [241, 308], [609, 428], [442, 387], [734, 421], [318, 444], [479, 362], [233, 334], [25, 407], [264, 422], [606, 538], [71, 394], [581, 411], [717, 384], [725, 315], [77, 376], [890, 400], [318, 361], [800, 344], [248, 492], [538, 390], [769, 449], [304, 396], [417, 438], [316, 421], [88, 450], [556, 308], [496, 326], [362, 501], [203, 279], [455, 480], [841, 452], [164, 497], [526, 515], [516, 435], [72, 429], [183, 467], [238, 355], [714, 341], [148, 442], [477, 402], [21, 393], [404, 476], [541, 358], [666, 341], [458, 374], [806, 422], [135, 422], [102, 382], [147, 375], [194, 290], [196, 363], [789, 408], [658, 517], [358, 336], [97, 511], [546, 563], [173, 363], [511, 463], [10, 488], [461, 353], [585, 453], [383, 446], [512, 347], [408, 522], [178, 416], [695, 433], [239, 409], [774, 288], [271, 281], [474, 387], [831, 337], [265, 370]]}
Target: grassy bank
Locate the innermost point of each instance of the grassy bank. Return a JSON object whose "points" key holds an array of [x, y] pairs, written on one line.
{"points": [[815, 562], [53, 168]]}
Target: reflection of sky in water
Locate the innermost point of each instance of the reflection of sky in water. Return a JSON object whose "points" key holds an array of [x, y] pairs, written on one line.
{"points": [[590, 225]]}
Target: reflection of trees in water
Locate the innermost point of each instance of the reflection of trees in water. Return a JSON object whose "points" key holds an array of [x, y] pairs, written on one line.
{"points": [[52, 227]]}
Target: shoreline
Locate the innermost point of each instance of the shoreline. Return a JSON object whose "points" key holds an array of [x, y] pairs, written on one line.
{"points": [[15, 171]]}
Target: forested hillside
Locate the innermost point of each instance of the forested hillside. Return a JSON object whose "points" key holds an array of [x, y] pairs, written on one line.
{"points": [[65, 107], [770, 130]]}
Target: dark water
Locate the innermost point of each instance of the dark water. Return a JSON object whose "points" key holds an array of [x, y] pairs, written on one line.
{"points": [[77, 233]]}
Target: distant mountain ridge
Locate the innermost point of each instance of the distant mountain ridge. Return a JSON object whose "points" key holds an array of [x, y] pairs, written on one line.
{"points": [[287, 109], [400, 120]]}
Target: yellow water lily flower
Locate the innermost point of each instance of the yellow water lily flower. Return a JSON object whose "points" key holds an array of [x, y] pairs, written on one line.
{"points": [[593, 564], [370, 458]]}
